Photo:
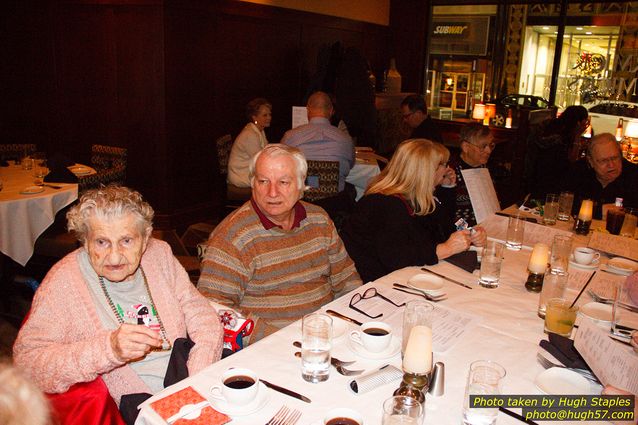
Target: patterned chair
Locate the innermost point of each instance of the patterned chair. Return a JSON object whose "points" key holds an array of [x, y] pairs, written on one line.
{"points": [[322, 180], [16, 151], [110, 164], [224, 144]]}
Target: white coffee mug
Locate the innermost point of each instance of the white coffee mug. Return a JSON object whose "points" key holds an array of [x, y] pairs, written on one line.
{"points": [[584, 255], [342, 415], [239, 386], [373, 336]]}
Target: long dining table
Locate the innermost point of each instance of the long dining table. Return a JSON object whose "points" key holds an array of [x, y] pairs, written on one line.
{"points": [[498, 324]]}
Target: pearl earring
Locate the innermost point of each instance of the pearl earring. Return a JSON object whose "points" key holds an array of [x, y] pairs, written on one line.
{"points": [[255, 122]]}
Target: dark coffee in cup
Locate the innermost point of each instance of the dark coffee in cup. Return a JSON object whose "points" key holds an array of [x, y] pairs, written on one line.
{"points": [[239, 382], [342, 421], [615, 218], [376, 331]]}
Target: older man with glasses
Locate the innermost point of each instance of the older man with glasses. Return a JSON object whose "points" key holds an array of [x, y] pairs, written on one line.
{"points": [[415, 115], [603, 176], [476, 147]]}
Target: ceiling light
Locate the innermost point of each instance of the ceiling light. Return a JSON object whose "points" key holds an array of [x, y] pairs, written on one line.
{"points": [[545, 28], [579, 28], [588, 32]]}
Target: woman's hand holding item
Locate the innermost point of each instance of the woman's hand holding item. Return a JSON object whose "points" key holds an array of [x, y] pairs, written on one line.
{"points": [[131, 342], [478, 236], [458, 241]]}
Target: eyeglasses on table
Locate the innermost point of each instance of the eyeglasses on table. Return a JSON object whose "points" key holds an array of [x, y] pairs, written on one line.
{"points": [[370, 293]]}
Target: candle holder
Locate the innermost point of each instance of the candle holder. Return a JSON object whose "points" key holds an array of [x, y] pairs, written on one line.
{"points": [[534, 282], [581, 227], [414, 385]]}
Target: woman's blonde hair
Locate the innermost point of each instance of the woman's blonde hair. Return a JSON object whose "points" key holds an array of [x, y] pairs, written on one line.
{"points": [[21, 402], [410, 173]]}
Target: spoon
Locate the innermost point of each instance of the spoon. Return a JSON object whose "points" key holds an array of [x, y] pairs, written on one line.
{"points": [[342, 370], [335, 362]]}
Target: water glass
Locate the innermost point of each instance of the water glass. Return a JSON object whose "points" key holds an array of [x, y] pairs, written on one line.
{"points": [[615, 219], [484, 378], [561, 251], [417, 312], [554, 284], [629, 224], [491, 261], [550, 210], [402, 409], [316, 343], [565, 202], [559, 316], [619, 315], [515, 233]]}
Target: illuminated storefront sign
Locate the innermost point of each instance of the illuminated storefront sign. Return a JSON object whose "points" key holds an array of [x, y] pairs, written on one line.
{"points": [[461, 35]]}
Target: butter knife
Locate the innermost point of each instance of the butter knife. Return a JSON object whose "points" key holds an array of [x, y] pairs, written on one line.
{"points": [[344, 317], [187, 410], [447, 278], [286, 391]]}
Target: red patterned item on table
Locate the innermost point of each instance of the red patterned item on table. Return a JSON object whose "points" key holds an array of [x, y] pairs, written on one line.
{"points": [[170, 405], [235, 328]]}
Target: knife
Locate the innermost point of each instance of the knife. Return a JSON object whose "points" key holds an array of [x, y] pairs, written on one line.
{"points": [[413, 291], [285, 391], [530, 219], [344, 317], [447, 278]]}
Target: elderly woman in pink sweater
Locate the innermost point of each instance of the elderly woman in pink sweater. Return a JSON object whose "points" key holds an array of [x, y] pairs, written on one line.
{"points": [[114, 307]]}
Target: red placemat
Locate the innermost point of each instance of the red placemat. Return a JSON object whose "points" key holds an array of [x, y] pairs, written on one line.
{"points": [[170, 405]]}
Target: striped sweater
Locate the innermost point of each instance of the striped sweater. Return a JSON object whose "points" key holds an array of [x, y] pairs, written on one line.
{"points": [[275, 276]]}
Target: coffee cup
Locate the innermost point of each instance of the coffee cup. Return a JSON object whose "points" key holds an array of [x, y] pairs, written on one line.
{"points": [[239, 386], [343, 416], [584, 255], [373, 336]]}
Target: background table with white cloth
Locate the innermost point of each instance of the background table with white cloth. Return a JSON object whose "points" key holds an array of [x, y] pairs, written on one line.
{"points": [[23, 217], [365, 167], [505, 328]]}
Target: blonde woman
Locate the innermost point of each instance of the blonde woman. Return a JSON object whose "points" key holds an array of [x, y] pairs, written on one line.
{"points": [[400, 221]]}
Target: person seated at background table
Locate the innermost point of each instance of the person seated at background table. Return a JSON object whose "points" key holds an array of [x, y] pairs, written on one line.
{"points": [[551, 148], [603, 176], [21, 402], [276, 258], [400, 221], [321, 141], [115, 307], [250, 141], [415, 114], [476, 147]]}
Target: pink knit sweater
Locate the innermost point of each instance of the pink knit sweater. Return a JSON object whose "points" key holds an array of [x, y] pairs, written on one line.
{"points": [[63, 341]]}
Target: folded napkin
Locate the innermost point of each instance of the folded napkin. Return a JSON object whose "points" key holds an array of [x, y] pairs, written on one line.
{"points": [[563, 350], [170, 405], [467, 260], [59, 173]]}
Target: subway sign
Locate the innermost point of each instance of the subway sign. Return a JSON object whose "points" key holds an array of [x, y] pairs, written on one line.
{"points": [[459, 35]]}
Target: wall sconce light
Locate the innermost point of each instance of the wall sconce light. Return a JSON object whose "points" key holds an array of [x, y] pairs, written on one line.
{"points": [[478, 113], [490, 111]]}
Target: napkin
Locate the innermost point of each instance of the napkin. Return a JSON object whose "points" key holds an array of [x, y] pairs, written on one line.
{"points": [[563, 350], [467, 260], [170, 405], [59, 173]]}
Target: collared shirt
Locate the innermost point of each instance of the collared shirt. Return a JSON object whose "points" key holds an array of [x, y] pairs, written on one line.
{"points": [[298, 209], [321, 141]]}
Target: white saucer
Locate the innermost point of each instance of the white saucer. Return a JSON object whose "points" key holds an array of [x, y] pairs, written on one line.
{"points": [[622, 266], [431, 284], [560, 381], [31, 190], [393, 348], [591, 266], [598, 312], [263, 394], [80, 170]]}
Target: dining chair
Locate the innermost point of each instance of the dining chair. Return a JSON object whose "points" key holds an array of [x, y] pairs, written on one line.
{"points": [[235, 195], [322, 180], [16, 151]]}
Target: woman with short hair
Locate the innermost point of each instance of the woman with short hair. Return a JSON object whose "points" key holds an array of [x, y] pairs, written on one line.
{"points": [[400, 221], [114, 307]]}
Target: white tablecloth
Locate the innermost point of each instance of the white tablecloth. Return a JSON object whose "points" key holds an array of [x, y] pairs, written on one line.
{"points": [[508, 332], [364, 169], [23, 218]]}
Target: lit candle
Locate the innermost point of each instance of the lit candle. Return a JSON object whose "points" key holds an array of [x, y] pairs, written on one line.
{"points": [[479, 111], [586, 209], [508, 120], [418, 352], [539, 258]]}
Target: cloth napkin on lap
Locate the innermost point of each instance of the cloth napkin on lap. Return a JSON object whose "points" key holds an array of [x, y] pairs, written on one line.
{"points": [[58, 171], [170, 405], [563, 350]]}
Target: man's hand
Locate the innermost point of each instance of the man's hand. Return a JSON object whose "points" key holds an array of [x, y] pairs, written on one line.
{"points": [[131, 342]]}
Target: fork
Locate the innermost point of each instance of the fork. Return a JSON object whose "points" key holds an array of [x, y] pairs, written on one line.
{"points": [[285, 416], [604, 300], [547, 363], [335, 362], [340, 368], [281, 413], [415, 291]]}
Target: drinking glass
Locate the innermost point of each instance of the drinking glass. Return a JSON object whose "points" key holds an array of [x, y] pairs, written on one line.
{"points": [[515, 233], [402, 409], [491, 261], [554, 284], [565, 202], [417, 312], [484, 378], [550, 210], [561, 251], [622, 320], [559, 316], [629, 224], [615, 218], [315, 347]]}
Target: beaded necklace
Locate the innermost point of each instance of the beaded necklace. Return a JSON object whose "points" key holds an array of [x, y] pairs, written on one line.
{"points": [[166, 345]]}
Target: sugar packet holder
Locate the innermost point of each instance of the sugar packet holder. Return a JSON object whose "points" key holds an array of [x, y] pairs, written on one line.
{"points": [[379, 377]]}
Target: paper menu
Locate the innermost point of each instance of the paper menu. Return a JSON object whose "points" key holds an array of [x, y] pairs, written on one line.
{"points": [[612, 362], [299, 116], [481, 190], [496, 228], [617, 245]]}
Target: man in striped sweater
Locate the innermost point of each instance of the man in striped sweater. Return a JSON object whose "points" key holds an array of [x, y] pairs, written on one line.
{"points": [[276, 258]]}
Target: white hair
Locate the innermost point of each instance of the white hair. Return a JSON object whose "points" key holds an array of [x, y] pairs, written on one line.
{"points": [[278, 149], [21, 402]]}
